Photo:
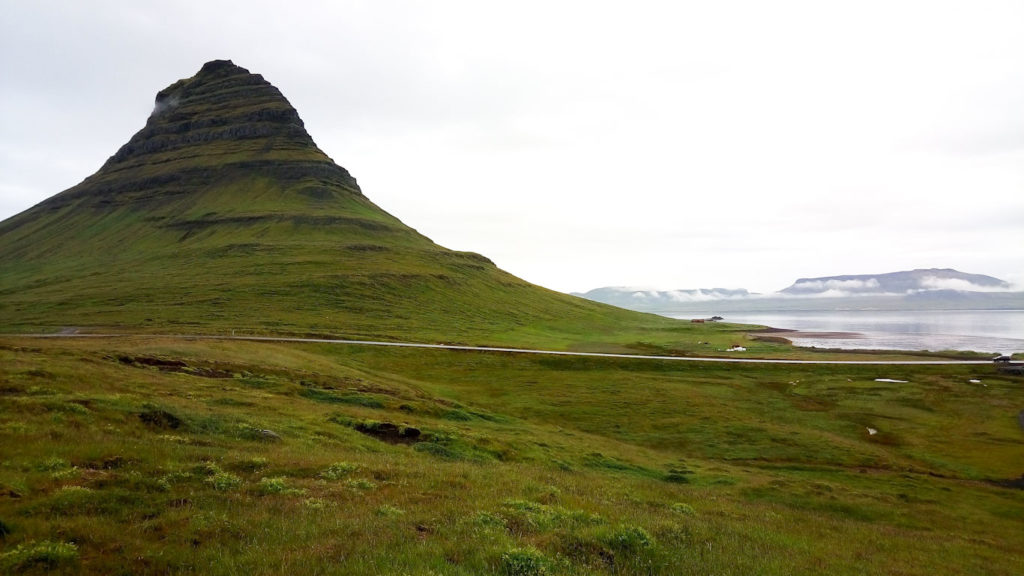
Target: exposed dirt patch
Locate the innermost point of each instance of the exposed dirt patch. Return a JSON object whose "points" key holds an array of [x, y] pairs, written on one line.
{"points": [[810, 404], [20, 349], [1016, 483], [151, 361], [366, 248], [160, 419], [112, 463], [9, 492], [388, 432], [177, 366]]}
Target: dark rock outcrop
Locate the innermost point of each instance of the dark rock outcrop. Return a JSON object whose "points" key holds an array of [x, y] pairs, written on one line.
{"points": [[222, 102], [160, 419], [389, 432]]}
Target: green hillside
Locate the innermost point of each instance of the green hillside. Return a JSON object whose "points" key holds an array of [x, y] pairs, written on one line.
{"points": [[150, 455], [222, 214]]}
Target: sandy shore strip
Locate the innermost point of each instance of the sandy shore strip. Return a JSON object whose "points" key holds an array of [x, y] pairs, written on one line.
{"points": [[786, 334]]}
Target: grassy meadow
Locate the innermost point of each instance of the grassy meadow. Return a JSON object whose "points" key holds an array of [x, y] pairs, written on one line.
{"points": [[148, 455]]}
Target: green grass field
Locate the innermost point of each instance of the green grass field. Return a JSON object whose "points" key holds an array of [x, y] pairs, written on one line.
{"points": [[158, 456]]}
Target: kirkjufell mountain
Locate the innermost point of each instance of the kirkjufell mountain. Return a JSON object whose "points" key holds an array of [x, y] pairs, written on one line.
{"points": [[221, 124], [223, 214]]}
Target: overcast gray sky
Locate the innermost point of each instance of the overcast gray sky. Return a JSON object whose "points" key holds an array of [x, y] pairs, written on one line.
{"points": [[584, 144]]}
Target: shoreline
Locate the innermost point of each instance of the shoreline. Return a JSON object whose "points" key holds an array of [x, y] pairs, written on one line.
{"points": [[787, 334]]}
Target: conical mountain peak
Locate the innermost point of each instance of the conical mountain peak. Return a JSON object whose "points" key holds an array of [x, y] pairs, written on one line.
{"points": [[209, 80], [222, 102], [222, 119]]}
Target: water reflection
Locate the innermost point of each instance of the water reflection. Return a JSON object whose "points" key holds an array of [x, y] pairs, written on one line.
{"points": [[978, 330]]}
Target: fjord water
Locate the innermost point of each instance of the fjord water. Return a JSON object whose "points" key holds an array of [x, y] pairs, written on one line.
{"points": [[978, 330]]}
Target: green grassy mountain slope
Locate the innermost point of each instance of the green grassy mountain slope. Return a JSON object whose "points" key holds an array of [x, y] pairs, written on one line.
{"points": [[222, 214]]}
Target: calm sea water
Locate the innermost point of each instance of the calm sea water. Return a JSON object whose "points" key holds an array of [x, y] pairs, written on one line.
{"points": [[979, 330]]}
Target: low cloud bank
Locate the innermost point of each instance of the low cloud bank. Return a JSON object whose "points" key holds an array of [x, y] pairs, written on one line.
{"points": [[697, 295], [833, 293], [960, 285], [846, 286]]}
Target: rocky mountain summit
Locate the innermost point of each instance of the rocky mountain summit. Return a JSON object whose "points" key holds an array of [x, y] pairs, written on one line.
{"points": [[222, 121]]}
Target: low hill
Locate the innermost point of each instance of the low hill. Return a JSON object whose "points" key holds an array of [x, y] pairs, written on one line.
{"points": [[222, 214]]}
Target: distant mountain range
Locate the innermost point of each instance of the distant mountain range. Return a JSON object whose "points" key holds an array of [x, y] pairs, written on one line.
{"points": [[921, 289]]}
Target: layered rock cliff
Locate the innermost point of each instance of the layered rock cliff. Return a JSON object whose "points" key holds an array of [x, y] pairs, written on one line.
{"points": [[222, 121]]}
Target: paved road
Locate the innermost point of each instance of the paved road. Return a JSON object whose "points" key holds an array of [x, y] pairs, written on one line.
{"points": [[514, 350]]}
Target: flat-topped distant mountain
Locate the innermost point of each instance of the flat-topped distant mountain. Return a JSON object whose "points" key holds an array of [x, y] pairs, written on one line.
{"points": [[222, 214], [921, 289], [906, 282]]}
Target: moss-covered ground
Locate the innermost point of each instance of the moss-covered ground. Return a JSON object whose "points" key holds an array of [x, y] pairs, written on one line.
{"points": [[166, 456]]}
